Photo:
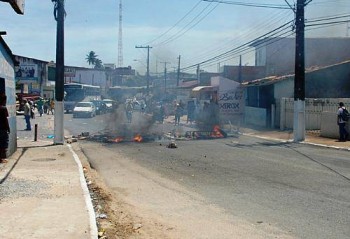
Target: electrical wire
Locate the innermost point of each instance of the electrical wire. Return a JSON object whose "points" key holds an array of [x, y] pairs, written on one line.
{"points": [[270, 33], [327, 23], [248, 34], [171, 28], [224, 57], [247, 50], [184, 30], [277, 6]]}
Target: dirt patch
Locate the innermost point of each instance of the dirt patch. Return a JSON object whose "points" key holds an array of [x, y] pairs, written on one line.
{"points": [[113, 220]]}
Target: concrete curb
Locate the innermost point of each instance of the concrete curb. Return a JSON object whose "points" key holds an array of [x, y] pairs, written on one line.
{"points": [[88, 201]]}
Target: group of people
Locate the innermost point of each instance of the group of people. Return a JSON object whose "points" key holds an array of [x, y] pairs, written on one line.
{"points": [[47, 106], [42, 105]]}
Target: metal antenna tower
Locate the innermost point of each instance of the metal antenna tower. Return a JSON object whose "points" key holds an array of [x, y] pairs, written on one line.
{"points": [[120, 36]]}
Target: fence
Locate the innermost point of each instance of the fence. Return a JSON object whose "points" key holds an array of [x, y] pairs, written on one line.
{"points": [[313, 111]]}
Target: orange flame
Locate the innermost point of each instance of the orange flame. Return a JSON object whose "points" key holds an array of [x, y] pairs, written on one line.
{"points": [[138, 138], [217, 132], [118, 139]]}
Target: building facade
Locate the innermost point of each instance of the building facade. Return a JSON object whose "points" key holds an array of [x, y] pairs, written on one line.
{"points": [[8, 86], [277, 55]]}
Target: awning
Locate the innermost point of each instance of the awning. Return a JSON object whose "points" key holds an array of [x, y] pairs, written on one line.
{"points": [[203, 88]]}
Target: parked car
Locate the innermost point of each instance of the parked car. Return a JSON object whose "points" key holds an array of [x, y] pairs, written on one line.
{"points": [[84, 109], [101, 107], [109, 103]]}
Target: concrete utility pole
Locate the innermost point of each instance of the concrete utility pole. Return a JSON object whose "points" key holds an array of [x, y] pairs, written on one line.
{"points": [[299, 81], [165, 63], [240, 70], [120, 35], [198, 73], [147, 47], [59, 13], [178, 72]]}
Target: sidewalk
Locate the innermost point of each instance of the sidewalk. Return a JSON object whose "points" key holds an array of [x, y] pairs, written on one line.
{"points": [[43, 193]]}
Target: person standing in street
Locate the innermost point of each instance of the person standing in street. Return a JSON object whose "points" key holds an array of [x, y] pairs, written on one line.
{"points": [[27, 113], [341, 120], [40, 105], [46, 105], [129, 109], [52, 106], [4, 128]]}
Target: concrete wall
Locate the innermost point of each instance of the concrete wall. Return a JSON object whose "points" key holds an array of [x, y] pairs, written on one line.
{"points": [[7, 72], [329, 127], [255, 116]]}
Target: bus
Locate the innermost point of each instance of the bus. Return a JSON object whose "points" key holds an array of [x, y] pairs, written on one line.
{"points": [[75, 92]]}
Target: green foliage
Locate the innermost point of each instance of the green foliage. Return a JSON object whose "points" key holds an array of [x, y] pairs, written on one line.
{"points": [[91, 58]]}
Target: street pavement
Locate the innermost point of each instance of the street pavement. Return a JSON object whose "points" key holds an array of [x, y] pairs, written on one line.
{"points": [[43, 193]]}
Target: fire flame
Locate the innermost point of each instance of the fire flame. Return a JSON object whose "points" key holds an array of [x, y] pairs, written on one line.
{"points": [[138, 138], [118, 139], [217, 132]]}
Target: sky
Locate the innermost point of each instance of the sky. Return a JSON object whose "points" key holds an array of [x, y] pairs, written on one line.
{"points": [[196, 30]]}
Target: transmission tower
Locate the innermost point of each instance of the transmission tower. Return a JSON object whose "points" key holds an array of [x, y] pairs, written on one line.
{"points": [[120, 36]]}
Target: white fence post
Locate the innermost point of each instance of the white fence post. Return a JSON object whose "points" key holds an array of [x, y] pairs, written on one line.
{"points": [[283, 113]]}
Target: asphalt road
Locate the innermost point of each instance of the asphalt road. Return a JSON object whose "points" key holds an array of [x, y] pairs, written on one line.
{"points": [[302, 190]]}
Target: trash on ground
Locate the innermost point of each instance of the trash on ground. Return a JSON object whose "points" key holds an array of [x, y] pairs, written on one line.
{"points": [[172, 145]]}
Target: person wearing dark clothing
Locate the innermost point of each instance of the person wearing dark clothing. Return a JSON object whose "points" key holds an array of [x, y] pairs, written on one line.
{"points": [[178, 113], [4, 128], [343, 134], [46, 105], [191, 108]]}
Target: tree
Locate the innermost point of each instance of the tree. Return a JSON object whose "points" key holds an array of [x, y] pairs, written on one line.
{"points": [[91, 58], [98, 64]]}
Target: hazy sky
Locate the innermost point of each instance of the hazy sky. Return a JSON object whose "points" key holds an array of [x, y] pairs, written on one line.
{"points": [[196, 30]]}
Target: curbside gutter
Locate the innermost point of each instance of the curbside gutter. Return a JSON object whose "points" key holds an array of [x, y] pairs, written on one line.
{"points": [[88, 202]]}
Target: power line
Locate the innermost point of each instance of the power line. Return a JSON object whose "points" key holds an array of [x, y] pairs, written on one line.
{"points": [[249, 33], [246, 44], [290, 6], [171, 28], [184, 30], [277, 6], [247, 49], [327, 23]]}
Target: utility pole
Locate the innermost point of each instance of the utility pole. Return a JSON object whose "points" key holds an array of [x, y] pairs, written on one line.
{"points": [[147, 47], [299, 81], [120, 35], [198, 73], [59, 14], [178, 72], [240, 70], [165, 71]]}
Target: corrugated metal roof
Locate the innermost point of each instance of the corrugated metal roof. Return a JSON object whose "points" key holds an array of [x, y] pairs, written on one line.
{"points": [[273, 79]]}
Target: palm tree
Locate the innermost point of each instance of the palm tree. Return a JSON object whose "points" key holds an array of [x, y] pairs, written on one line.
{"points": [[91, 58], [98, 64]]}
